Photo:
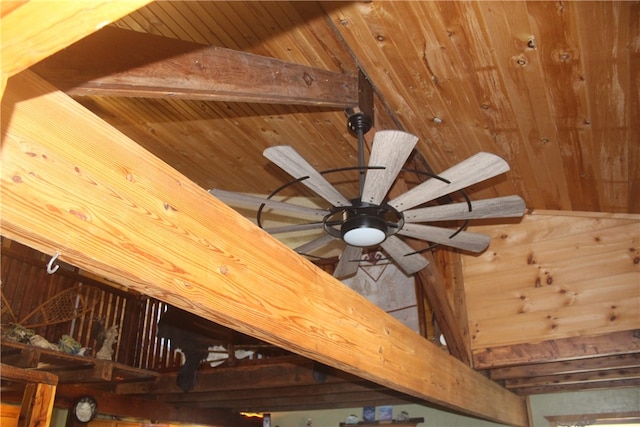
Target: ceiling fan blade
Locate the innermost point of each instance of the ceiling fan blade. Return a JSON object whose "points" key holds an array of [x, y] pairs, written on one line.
{"points": [[295, 165], [349, 261], [391, 149], [294, 227], [476, 168], [498, 207], [314, 244], [253, 202], [398, 250], [472, 242]]}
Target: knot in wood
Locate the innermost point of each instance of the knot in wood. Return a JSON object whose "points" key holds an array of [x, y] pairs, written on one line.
{"points": [[308, 79]]}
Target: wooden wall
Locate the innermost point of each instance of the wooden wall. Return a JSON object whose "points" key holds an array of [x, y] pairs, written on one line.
{"points": [[554, 275], [26, 286]]}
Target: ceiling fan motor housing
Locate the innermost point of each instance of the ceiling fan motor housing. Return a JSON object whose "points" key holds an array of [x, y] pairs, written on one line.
{"points": [[364, 224]]}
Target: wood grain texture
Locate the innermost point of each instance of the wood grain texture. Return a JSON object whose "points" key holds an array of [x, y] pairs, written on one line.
{"points": [[432, 285], [554, 276], [390, 149], [294, 164], [116, 62], [568, 367], [475, 169], [399, 251], [497, 207], [349, 262], [473, 242], [449, 265], [560, 350], [254, 202], [36, 30], [520, 79], [38, 396], [479, 67], [101, 190]]}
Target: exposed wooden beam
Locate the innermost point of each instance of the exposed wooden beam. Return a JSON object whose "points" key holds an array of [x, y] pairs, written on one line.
{"points": [[577, 378], [245, 391], [301, 384], [13, 373], [615, 343], [36, 29], [111, 403], [435, 288], [72, 183], [594, 364], [117, 62], [568, 387], [70, 368], [298, 402], [276, 372], [37, 397], [448, 263], [611, 418]]}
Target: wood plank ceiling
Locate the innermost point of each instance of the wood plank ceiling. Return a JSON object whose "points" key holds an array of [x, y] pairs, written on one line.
{"points": [[550, 86]]}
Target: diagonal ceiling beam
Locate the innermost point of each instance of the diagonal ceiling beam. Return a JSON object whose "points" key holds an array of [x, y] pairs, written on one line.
{"points": [[33, 30], [72, 183], [118, 62], [434, 286]]}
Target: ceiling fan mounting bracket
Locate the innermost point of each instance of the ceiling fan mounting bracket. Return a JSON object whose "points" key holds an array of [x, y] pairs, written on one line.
{"points": [[359, 122]]}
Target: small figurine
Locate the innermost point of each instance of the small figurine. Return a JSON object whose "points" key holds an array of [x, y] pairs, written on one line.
{"points": [[106, 352]]}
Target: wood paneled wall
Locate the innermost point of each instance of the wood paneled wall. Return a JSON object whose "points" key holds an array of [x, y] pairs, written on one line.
{"points": [[554, 275], [27, 285]]}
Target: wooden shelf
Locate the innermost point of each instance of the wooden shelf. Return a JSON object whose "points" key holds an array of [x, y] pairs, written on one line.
{"points": [[70, 369], [411, 422]]}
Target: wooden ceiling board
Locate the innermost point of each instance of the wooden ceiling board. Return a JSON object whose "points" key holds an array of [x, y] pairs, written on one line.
{"points": [[415, 88], [293, 32], [512, 88], [221, 144], [552, 277], [521, 79], [550, 86]]}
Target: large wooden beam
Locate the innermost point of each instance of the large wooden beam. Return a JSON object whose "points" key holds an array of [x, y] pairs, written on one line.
{"points": [[117, 62], [37, 397], [611, 344], [435, 287], [33, 30], [131, 406], [594, 364], [73, 184]]}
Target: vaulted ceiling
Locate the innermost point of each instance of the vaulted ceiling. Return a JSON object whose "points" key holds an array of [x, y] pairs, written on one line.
{"points": [[549, 86]]}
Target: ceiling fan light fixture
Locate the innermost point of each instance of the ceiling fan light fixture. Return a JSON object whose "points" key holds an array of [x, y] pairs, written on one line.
{"points": [[364, 231]]}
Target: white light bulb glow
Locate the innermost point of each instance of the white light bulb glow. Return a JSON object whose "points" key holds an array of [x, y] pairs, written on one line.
{"points": [[364, 237]]}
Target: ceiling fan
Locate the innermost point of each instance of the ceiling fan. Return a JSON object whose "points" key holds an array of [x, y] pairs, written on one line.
{"points": [[371, 220]]}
